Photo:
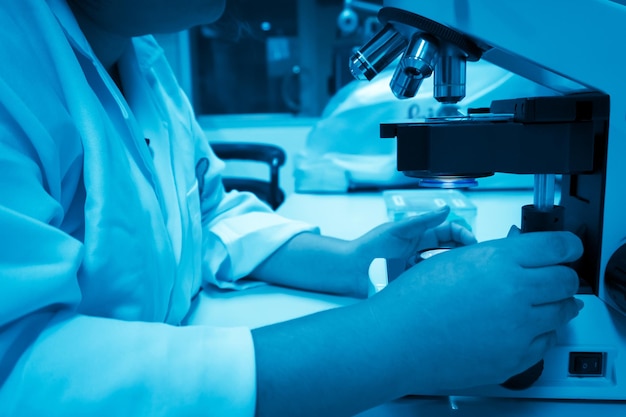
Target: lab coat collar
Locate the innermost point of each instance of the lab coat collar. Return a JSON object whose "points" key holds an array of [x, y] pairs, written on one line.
{"points": [[147, 52], [68, 22], [146, 48]]}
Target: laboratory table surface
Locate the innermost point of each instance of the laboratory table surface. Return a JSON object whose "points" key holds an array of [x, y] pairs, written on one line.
{"points": [[348, 216]]}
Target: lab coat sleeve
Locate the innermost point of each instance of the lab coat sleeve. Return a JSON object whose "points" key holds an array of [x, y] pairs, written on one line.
{"points": [[64, 364], [57, 362], [239, 231], [88, 366]]}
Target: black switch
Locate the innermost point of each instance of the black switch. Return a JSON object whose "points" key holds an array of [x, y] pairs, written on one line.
{"points": [[586, 363]]}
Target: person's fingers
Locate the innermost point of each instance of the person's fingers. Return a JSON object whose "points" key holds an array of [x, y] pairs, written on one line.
{"points": [[399, 239], [514, 231], [580, 303], [537, 349], [454, 233], [539, 249], [412, 226], [549, 284], [549, 317]]}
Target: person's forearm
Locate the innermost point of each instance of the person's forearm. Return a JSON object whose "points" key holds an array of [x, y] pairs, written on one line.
{"points": [[333, 363], [321, 263], [318, 263]]}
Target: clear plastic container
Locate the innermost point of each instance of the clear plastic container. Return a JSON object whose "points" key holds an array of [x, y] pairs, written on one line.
{"points": [[406, 203]]}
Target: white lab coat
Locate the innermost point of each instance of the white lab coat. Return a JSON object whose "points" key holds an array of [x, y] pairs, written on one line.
{"points": [[105, 240]]}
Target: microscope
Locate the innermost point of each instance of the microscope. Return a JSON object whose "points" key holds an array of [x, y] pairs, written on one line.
{"points": [[579, 134]]}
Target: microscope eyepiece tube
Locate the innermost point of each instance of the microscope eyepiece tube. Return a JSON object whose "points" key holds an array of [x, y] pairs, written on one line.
{"points": [[377, 54], [450, 70], [415, 65]]}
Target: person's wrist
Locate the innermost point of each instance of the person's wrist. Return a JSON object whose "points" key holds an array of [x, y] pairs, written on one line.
{"points": [[358, 260]]}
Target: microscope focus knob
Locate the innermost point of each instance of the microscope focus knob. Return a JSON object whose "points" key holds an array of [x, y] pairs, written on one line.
{"points": [[615, 278]]}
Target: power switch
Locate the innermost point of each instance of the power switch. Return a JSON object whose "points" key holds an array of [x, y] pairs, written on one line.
{"points": [[586, 363]]}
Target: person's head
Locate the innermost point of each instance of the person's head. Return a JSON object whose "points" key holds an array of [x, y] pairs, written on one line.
{"points": [[142, 17]]}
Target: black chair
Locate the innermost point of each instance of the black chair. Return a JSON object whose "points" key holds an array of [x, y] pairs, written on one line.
{"points": [[274, 156]]}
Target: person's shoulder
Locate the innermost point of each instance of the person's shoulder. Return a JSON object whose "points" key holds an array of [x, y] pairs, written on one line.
{"points": [[37, 63], [29, 32]]}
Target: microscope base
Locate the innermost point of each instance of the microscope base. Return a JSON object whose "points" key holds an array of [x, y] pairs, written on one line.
{"points": [[586, 364]]}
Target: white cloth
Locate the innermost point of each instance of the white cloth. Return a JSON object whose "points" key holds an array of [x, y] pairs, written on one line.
{"points": [[105, 240]]}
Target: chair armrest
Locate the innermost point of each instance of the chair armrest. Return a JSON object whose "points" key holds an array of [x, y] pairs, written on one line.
{"points": [[262, 152]]}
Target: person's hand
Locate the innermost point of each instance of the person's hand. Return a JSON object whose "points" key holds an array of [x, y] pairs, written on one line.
{"points": [[479, 314], [403, 239], [514, 231]]}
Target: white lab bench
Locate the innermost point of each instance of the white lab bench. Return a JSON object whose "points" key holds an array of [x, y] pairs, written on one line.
{"points": [[348, 216]]}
